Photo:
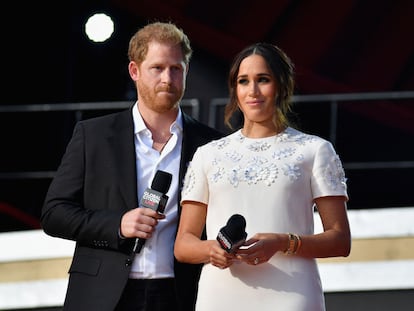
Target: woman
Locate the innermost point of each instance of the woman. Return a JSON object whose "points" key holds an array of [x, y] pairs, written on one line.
{"points": [[275, 176]]}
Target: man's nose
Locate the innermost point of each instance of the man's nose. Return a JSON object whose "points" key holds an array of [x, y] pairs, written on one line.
{"points": [[166, 76]]}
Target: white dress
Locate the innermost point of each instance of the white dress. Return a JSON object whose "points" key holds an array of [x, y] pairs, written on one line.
{"points": [[272, 182]]}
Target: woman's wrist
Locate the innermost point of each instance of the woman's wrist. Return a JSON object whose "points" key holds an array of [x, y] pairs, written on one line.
{"points": [[294, 244]]}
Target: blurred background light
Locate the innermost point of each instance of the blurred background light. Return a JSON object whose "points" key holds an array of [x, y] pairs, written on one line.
{"points": [[99, 27]]}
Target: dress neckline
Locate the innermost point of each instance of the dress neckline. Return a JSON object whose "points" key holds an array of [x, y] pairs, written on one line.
{"points": [[262, 138]]}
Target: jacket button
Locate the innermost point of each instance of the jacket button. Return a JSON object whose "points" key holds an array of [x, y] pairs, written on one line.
{"points": [[128, 262]]}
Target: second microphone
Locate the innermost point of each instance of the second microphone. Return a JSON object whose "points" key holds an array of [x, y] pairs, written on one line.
{"points": [[233, 234]]}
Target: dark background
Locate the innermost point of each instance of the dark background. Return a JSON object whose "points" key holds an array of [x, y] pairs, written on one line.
{"points": [[346, 46]]}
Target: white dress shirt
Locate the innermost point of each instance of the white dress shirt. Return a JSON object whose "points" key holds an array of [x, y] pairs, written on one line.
{"points": [[156, 259]]}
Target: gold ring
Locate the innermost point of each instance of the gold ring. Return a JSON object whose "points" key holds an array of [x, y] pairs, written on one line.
{"points": [[256, 261]]}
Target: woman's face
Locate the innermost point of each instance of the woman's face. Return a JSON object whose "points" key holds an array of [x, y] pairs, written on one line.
{"points": [[256, 90]]}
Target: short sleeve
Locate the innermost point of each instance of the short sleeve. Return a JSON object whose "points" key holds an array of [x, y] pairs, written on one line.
{"points": [[195, 187], [328, 175]]}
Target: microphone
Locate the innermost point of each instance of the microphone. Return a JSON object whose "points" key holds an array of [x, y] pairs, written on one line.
{"points": [[155, 198], [233, 234]]}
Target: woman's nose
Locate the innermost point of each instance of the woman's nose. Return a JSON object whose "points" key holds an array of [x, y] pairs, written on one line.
{"points": [[253, 89]]}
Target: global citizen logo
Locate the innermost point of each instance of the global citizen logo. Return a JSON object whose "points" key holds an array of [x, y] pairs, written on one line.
{"points": [[223, 240], [150, 198]]}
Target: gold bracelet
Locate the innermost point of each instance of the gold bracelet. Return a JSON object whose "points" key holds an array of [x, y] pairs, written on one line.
{"points": [[298, 244], [294, 244], [291, 244]]}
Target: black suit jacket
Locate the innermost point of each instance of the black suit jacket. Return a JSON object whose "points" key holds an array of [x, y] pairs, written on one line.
{"points": [[94, 186]]}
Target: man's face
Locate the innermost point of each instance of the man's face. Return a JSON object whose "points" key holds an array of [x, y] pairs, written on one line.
{"points": [[161, 77]]}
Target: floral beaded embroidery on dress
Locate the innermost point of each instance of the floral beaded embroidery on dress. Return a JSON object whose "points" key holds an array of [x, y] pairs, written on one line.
{"points": [[252, 164]]}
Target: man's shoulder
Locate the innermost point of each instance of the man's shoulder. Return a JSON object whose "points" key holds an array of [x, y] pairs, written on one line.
{"points": [[192, 125], [104, 120]]}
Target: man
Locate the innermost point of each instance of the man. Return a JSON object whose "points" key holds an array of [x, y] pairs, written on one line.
{"points": [[108, 164]]}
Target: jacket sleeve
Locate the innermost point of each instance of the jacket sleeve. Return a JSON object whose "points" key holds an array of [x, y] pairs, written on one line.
{"points": [[64, 213]]}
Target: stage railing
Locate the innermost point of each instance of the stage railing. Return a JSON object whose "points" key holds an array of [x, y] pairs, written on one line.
{"points": [[215, 119]]}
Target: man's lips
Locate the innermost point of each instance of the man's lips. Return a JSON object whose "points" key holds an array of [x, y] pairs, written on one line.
{"points": [[166, 88]]}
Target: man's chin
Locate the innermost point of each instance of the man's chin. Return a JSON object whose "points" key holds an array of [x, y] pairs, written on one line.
{"points": [[166, 104], [166, 98]]}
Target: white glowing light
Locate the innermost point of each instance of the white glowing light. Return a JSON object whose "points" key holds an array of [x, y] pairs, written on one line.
{"points": [[99, 27]]}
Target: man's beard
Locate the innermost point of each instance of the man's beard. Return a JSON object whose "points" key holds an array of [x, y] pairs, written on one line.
{"points": [[160, 102]]}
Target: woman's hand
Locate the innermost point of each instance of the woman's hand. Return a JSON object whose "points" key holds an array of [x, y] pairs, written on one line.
{"points": [[261, 247], [219, 257]]}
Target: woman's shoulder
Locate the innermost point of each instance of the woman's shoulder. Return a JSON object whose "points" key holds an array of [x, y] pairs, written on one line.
{"points": [[217, 144], [225, 140], [302, 137]]}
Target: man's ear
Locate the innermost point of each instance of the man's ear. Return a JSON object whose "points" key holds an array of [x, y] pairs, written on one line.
{"points": [[133, 70]]}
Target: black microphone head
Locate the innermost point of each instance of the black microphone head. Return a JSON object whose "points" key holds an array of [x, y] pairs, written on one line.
{"points": [[161, 181], [235, 227], [233, 234]]}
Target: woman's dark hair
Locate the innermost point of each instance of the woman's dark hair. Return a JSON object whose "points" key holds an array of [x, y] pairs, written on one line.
{"points": [[281, 68]]}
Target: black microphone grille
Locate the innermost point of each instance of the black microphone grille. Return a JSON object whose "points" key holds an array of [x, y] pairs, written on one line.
{"points": [[237, 220], [161, 181], [236, 225]]}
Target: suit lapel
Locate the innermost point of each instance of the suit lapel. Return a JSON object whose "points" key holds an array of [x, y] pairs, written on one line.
{"points": [[124, 155]]}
